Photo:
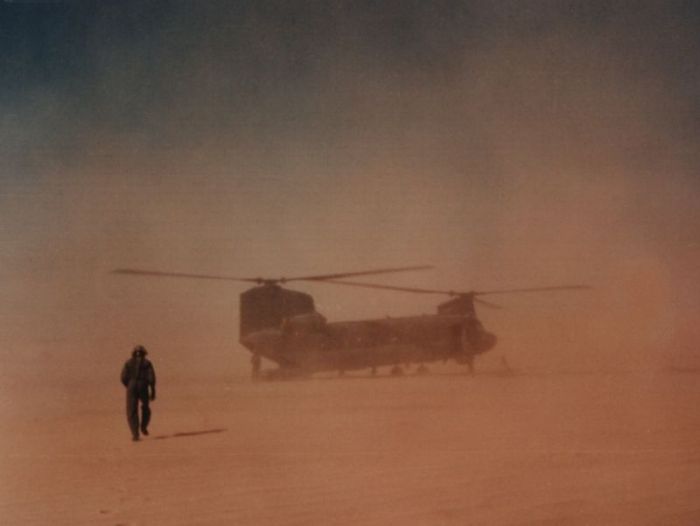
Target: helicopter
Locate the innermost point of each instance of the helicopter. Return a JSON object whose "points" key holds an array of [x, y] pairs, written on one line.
{"points": [[283, 326]]}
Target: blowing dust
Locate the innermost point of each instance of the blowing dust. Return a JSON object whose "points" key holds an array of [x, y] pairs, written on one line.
{"points": [[510, 146]]}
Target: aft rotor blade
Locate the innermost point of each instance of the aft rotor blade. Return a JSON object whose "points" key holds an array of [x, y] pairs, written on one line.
{"points": [[487, 304], [535, 289], [389, 287], [321, 277], [160, 274], [327, 277]]}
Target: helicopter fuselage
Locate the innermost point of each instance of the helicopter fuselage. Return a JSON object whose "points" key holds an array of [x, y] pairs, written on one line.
{"points": [[308, 344]]}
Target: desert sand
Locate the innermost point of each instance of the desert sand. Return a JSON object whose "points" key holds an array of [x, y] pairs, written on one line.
{"points": [[536, 447], [510, 144]]}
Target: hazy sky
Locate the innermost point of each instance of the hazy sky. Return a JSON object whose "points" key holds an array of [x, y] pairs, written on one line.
{"points": [[509, 143]]}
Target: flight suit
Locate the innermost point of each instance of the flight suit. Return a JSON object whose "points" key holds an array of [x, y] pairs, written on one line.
{"points": [[138, 375]]}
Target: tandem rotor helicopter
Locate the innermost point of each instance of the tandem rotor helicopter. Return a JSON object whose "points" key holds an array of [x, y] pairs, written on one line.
{"points": [[283, 326]]}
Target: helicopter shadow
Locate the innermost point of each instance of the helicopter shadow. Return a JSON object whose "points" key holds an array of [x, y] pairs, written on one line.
{"points": [[405, 376], [184, 434], [492, 374]]}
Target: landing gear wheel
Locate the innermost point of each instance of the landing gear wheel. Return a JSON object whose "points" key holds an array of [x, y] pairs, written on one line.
{"points": [[255, 362], [396, 371], [470, 364], [422, 370]]}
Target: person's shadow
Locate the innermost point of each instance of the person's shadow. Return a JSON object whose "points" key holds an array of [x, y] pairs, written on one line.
{"points": [[190, 433]]}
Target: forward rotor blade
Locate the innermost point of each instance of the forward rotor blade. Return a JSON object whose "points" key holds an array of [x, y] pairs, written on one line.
{"points": [[157, 273], [456, 292], [327, 277], [535, 289]]}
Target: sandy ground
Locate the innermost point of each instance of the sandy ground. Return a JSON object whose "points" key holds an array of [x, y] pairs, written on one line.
{"points": [[534, 448]]}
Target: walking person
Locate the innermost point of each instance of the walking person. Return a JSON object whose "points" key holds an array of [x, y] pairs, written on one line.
{"points": [[139, 378]]}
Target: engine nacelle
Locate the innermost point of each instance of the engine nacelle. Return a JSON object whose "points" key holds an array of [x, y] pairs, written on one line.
{"points": [[304, 323]]}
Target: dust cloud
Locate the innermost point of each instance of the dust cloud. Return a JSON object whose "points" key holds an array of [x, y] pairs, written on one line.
{"points": [[510, 145], [506, 145]]}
